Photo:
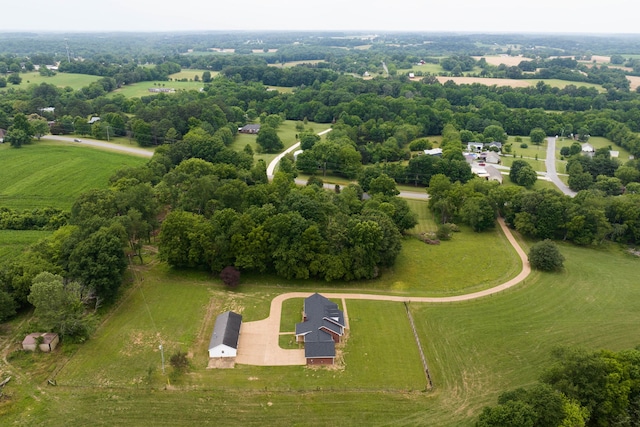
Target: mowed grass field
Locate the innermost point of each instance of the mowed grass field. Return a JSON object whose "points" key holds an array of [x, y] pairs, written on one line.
{"points": [[140, 89], [75, 81], [45, 174]]}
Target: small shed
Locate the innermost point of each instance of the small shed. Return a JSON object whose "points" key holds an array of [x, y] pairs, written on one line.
{"points": [[49, 341], [224, 340], [2, 133], [434, 152]]}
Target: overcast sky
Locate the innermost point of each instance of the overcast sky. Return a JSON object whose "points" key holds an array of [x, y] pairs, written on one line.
{"points": [[557, 16]]}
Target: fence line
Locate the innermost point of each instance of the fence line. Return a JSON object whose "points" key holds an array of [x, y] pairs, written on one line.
{"points": [[424, 360]]}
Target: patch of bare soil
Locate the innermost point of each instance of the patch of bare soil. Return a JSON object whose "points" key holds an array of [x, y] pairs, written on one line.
{"points": [[503, 59], [634, 251], [221, 363]]}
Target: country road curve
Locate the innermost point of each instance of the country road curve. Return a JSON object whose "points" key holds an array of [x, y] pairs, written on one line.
{"points": [[259, 344]]}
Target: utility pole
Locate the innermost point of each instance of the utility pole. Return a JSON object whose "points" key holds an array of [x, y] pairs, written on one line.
{"points": [[162, 355]]}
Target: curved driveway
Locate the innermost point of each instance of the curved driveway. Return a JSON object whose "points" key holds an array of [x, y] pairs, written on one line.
{"points": [[259, 345]]}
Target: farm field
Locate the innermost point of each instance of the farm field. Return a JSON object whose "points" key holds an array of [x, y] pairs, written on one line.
{"points": [[475, 350], [74, 170], [140, 89], [75, 81], [12, 242], [515, 82]]}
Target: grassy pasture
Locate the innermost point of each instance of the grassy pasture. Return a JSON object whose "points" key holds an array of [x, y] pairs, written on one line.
{"points": [[140, 89], [45, 174], [12, 242], [75, 81], [287, 133], [296, 63], [475, 350]]}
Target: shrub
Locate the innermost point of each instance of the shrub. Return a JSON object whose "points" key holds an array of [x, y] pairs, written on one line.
{"points": [[179, 361], [524, 145], [546, 256], [230, 276], [444, 232]]}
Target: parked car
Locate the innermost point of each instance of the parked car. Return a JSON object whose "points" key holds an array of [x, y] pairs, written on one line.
{"points": [[77, 140]]}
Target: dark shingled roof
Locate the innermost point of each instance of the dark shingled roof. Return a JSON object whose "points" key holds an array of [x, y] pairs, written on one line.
{"points": [[227, 330], [320, 313]]}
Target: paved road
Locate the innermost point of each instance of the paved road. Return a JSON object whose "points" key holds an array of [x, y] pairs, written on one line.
{"points": [[101, 144], [550, 163], [259, 345]]}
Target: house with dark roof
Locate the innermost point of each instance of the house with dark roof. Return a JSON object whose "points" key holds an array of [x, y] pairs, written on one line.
{"points": [[224, 340], [249, 129], [321, 328]]}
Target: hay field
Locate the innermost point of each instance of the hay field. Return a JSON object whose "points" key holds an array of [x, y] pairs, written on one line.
{"points": [[487, 81], [502, 59]]}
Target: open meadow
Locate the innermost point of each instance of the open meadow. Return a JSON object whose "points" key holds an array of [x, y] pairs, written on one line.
{"points": [[74, 81], [54, 174], [475, 350]]}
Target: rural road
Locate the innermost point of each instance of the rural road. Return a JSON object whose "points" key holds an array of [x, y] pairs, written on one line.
{"points": [[259, 345], [550, 163]]}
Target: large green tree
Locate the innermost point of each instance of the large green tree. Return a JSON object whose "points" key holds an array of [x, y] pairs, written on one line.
{"points": [[269, 140], [58, 306]]}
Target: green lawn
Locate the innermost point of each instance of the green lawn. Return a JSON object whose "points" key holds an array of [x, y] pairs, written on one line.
{"points": [[75, 81], [537, 165], [474, 349], [45, 174], [287, 133]]}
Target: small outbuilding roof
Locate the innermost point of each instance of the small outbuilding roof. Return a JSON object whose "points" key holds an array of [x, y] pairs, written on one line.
{"points": [[47, 338], [227, 330]]}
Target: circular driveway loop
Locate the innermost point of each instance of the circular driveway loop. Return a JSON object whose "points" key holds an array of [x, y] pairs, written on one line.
{"points": [[258, 343]]}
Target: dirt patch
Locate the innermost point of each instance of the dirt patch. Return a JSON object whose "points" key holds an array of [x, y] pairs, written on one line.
{"points": [[503, 59], [635, 82], [140, 341], [221, 363]]}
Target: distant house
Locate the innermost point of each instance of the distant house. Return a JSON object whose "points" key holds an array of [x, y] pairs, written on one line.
{"points": [[492, 157], [475, 147], [162, 90], [434, 152], [249, 129], [495, 144], [588, 148], [493, 174], [321, 328], [48, 341], [93, 119], [3, 132], [224, 340]]}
